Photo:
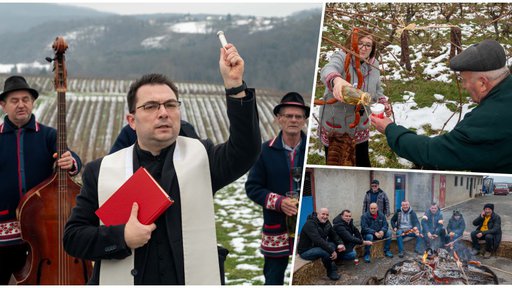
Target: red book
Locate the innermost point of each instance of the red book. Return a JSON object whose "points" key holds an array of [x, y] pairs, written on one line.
{"points": [[140, 188]]}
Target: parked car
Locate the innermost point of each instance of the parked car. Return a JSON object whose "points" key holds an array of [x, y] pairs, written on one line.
{"points": [[501, 189]]}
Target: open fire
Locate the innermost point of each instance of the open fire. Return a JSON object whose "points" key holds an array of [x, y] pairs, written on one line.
{"points": [[440, 267]]}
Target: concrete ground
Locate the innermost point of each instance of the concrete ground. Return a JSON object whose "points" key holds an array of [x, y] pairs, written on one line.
{"points": [[358, 275]]}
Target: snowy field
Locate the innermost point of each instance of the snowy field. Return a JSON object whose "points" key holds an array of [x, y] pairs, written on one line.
{"points": [[239, 222]]}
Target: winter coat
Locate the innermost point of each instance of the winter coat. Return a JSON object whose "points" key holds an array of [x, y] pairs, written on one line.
{"points": [[431, 224], [267, 184], [26, 160], [348, 232], [494, 226], [85, 238], [382, 202], [337, 117], [480, 142], [397, 217], [370, 226], [316, 234], [456, 226]]}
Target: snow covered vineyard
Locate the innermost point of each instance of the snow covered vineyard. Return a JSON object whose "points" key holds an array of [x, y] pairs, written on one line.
{"points": [[96, 110]]}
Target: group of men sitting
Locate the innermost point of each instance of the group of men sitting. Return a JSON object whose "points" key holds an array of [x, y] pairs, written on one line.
{"points": [[320, 239]]}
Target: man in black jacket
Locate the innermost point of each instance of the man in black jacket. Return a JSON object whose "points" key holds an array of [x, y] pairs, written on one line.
{"points": [[489, 229], [181, 246], [318, 240], [349, 234]]}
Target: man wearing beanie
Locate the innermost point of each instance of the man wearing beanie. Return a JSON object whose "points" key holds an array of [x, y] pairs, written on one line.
{"points": [[489, 229], [480, 142]]}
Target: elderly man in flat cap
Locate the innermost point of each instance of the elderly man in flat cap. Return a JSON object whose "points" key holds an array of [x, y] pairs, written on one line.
{"points": [[481, 141]]}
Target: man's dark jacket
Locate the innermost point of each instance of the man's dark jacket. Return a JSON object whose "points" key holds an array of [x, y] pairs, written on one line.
{"points": [[316, 234], [267, 184], [85, 238], [480, 142], [370, 225], [494, 226], [456, 226], [348, 232], [26, 158], [431, 224], [382, 202]]}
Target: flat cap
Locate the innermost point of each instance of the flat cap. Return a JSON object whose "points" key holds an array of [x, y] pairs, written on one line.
{"points": [[485, 56]]}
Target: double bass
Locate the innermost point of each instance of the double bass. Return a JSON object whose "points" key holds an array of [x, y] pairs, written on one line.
{"points": [[44, 210]]}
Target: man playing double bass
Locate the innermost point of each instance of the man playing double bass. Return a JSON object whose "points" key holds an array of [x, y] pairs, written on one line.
{"points": [[27, 157]]}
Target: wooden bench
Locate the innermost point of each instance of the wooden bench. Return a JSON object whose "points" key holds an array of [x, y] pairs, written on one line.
{"points": [[304, 271], [504, 249]]}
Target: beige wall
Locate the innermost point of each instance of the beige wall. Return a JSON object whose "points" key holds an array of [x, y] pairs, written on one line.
{"points": [[458, 193], [338, 189]]}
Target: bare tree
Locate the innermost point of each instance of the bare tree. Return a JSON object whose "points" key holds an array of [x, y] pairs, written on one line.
{"points": [[496, 11], [456, 41], [405, 60], [448, 10]]}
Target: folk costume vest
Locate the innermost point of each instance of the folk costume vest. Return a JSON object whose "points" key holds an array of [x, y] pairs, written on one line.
{"points": [[197, 214]]}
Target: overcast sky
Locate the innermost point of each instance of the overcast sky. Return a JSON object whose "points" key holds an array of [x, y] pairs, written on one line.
{"points": [[507, 179], [253, 9]]}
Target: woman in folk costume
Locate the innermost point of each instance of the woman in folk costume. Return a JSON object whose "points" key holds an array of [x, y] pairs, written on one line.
{"points": [[362, 73]]}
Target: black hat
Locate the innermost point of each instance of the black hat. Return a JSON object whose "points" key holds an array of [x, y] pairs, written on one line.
{"points": [[292, 99], [489, 205], [375, 181], [485, 56], [15, 83]]}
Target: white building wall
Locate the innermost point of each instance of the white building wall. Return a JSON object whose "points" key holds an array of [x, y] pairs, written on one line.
{"points": [[338, 189]]}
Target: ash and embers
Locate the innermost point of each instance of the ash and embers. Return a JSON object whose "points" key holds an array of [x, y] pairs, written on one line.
{"points": [[442, 267]]}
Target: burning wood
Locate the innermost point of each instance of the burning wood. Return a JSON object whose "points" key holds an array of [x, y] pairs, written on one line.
{"points": [[459, 265], [439, 267]]}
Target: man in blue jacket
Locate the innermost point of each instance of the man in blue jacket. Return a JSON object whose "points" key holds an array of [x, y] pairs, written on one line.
{"points": [[432, 227], [272, 177], [27, 156], [374, 226], [456, 226]]}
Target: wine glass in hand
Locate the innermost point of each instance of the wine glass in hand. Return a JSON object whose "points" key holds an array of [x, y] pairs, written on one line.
{"points": [[297, 175]]}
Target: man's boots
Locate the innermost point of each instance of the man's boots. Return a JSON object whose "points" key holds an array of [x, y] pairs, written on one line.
{"points": [[331, 271]]}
